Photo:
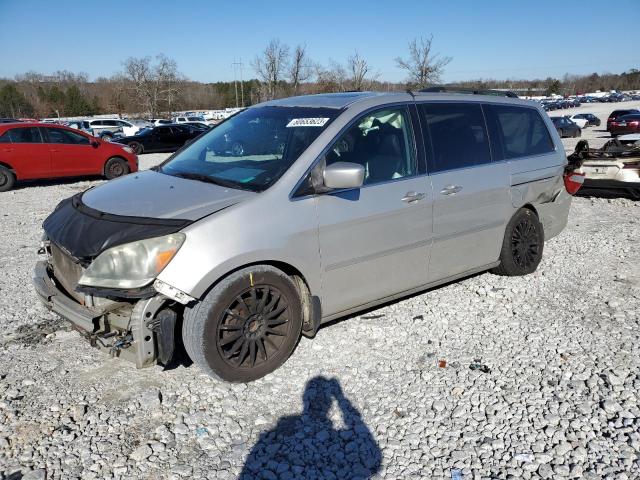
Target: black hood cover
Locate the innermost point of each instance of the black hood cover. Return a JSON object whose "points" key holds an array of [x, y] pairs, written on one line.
{"points": [[85, 233]]}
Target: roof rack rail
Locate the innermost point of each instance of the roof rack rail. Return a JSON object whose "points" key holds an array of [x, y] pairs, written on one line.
{"points": [[471, 91]]}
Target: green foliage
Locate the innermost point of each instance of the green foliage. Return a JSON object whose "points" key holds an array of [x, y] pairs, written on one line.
{"points": [[69, 103], [13, 103]]}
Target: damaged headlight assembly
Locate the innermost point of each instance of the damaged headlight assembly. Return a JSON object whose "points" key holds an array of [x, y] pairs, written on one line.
{"points": [[132, 265]]}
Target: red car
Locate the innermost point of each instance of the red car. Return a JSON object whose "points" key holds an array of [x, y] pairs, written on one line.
{"points": [[34, 150], [625, 124], [619, 113]]}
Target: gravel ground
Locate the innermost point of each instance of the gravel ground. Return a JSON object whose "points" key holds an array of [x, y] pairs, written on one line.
{"points": [[489, 377]]}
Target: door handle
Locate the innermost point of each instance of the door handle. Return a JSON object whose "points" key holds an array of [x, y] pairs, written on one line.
{"points": [[450, 189], [7, 150], [411, 197]]}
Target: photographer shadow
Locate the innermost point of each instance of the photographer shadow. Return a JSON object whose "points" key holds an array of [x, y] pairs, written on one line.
{"points": [[309, 446]]}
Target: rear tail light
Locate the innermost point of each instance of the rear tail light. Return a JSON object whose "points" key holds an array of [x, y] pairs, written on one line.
{"points": [[573, 181], [635, 123]]}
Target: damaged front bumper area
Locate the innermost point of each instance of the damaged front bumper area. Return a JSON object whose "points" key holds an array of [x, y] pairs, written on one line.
{"points": [[138, 330]]}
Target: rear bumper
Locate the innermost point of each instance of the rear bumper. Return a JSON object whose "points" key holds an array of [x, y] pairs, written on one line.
{"points": [[614, 186], [124, 331]]}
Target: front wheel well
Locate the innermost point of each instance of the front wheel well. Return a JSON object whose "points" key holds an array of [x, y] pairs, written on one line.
{"points": [[286, 268], [6, 165]]}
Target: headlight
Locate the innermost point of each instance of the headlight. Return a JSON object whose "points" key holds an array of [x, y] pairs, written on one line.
{"points": [[128, 149], [132, 265]]}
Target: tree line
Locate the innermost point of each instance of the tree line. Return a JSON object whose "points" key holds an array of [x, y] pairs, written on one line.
{"points": [[155, 86]]}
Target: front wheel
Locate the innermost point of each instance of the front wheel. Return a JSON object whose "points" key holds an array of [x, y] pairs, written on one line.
{"points": [[7, 179], [136, 147], [522, 245], [246, 326], [115, 167]]}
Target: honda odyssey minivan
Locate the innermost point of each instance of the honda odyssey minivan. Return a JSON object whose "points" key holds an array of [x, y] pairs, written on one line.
{"points": [[328, 205]]}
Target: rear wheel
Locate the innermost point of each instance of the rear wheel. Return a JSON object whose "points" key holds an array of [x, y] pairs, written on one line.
{"points": [[522, 245], [7, 179], [115, 167], [246, 326]]}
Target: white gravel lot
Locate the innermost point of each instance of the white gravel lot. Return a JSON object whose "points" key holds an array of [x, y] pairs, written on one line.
{"points": [[553, 393]]}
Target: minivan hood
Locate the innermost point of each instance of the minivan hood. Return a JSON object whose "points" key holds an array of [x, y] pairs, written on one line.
{"points": [[152, 194]]}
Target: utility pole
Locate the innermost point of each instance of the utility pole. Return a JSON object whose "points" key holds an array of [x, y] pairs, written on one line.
{"points": [[235, 82], [237, 65], [241, 84]]}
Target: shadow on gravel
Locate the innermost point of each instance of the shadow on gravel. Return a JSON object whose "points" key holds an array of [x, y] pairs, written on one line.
{"points": [[47, 182], [309, 446]]}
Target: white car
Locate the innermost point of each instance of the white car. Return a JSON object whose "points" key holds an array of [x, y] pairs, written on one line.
{"points": [[581, 122], [157, 122], [107, 128], [192, 119]]}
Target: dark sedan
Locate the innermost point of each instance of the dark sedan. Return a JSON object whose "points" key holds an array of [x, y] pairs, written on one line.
{"points": [[625, 124], [166, 138], [565, 127]]}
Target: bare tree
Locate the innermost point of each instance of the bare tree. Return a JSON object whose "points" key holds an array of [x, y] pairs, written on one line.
{"points": [[331, 79], [300, 69], [271, 65], [358, 68], [154, 86], [422, 66]]}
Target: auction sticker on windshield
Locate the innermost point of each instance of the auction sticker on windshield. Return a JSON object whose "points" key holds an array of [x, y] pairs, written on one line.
{"points": [[307, 122]]}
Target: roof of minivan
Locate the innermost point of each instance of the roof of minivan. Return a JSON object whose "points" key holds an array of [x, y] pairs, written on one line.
{"points": [[342, 100]]}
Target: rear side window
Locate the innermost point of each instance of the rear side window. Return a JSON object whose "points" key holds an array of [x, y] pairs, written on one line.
{"points": [[25, 135], [61, 136], [458, 135], [517, 132]]}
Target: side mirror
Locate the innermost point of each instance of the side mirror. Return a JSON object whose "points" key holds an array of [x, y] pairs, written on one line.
{"points": [[343, 175], [95, 144]]}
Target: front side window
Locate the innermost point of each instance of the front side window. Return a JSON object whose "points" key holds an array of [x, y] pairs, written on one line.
{"points": [[382, 142], [252, 149], [61, 136], [25, 135], [517, 132], [5, 138], [458, 135]]}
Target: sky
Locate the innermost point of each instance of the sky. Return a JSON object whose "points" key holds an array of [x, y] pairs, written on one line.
{"points": [[491, 39]]}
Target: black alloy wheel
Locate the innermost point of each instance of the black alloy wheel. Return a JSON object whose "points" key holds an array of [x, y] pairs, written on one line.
{"points": [[253, 327], [525, 246]]}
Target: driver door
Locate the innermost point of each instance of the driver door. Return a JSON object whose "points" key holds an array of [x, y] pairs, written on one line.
{"points": [[375, 241]]}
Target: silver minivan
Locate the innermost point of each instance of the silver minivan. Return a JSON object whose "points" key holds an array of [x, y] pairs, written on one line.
{"points": [[297, 211]]}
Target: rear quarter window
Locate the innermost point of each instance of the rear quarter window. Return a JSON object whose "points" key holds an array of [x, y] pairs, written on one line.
{"points": [[517, 132]]}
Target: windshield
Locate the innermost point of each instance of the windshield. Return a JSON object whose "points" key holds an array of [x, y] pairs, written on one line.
{"points": [[252, 149]]}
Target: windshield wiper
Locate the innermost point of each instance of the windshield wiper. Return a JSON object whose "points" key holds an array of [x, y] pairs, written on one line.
{"points": [[206, 178]]}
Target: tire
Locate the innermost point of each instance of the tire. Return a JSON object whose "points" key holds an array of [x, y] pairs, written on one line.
{"points": [[115, 167], [522, 245], [106, 137], [577, 134], [136, 147], [7, 179], [229, 339]]}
